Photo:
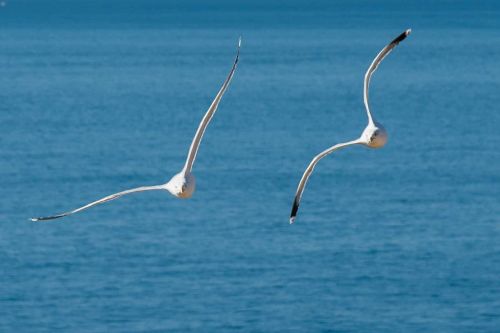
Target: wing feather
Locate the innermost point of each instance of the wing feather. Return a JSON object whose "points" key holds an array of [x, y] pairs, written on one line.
{"points": [[100, 201], [195, 144], [308, 172], [374, 65]]}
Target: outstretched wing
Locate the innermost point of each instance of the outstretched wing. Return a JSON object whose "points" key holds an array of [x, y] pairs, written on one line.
{"points": [[308, 172], [100, 201], [373, 67], [193, 150]]}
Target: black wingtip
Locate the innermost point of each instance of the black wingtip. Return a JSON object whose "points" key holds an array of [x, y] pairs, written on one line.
{"points": [[401, 37], [37, 219], [238, 51], [295, 208], [41, 219]]}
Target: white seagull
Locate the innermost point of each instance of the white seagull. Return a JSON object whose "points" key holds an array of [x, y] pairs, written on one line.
{"points": [[181, 185], [374, 135]]}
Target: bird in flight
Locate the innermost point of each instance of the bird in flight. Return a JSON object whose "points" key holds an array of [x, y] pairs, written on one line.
{"points": [[181, 185], [373, 136]]}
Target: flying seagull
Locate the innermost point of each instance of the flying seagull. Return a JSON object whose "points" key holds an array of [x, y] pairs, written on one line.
{"points": [[373, 136], [181, 185]]}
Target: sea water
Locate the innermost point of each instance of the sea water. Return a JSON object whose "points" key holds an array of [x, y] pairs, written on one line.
{"points": [[98, 97]]}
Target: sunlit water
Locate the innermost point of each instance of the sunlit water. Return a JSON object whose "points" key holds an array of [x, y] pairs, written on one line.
{"points": [[96, 98]]}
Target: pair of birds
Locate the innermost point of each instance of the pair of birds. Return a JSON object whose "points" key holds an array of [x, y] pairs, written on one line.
{"points": [[182, 185]]}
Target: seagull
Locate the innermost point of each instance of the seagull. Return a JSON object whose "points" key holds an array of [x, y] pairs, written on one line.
{"points": [[181, 185], [373, 136]]}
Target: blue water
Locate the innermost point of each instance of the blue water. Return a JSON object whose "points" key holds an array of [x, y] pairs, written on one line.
{"points": [[97, 97]]}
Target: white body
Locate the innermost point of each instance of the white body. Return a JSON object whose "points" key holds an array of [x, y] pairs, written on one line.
{"points": [[374, 135], [181, 185]]}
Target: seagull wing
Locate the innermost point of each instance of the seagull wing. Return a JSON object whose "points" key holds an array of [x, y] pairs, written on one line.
{"points": [[373, 67], [193, 150], [100, 201], [308, 172]]}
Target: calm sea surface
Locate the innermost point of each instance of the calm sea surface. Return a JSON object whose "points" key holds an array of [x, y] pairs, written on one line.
{"points": [[98, 97]]}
